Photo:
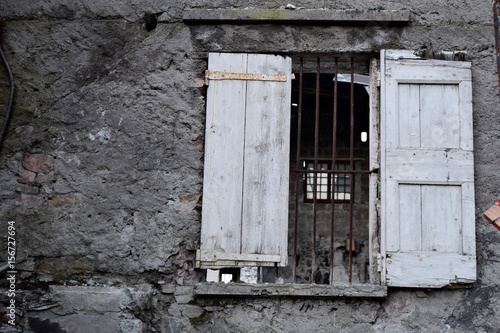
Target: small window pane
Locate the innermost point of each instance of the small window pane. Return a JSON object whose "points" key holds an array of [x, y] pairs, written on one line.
{"points": [[338, 184]]}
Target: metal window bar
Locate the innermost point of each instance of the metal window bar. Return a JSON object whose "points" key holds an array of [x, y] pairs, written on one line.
{"points": [[351, 158], [339, 176], [297, 174], [334, 158], [316, 147]]}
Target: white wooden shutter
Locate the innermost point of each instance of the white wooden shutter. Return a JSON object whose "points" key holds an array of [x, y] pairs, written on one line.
{"points": [[428, 220], [245, 189]]}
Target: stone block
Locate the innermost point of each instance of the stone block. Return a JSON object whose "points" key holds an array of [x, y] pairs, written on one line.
{"points": [[92, 300], [27, 265], [173, 326], [175, 310], [192, 311], [130, 326], [48, 178], [25, 188], [168, 288], [29, 201], [183, 294], [85, 323], [62, 201], [46, 268]]}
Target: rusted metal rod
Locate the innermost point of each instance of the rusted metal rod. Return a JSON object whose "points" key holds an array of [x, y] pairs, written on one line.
{"points": [[316, 146], [297, 174], [351, 158], [334, 161]]}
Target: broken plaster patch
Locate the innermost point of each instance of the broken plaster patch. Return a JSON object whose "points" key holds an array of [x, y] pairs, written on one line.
{"points": [[103, 135]]}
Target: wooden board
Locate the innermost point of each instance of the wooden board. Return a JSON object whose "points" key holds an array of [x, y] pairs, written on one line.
{"points": [[267, 146], [405, 269], [223, 170]]}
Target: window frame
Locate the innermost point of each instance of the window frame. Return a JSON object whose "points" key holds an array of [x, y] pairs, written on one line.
{"points": [[377, 254], [330, 183]]}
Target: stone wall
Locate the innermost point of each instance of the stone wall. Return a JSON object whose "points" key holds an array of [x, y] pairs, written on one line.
{"points": [[102, 166]]}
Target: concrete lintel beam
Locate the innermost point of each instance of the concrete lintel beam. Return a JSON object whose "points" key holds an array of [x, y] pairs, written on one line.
{"points": [[289, 290], [301, 16]]}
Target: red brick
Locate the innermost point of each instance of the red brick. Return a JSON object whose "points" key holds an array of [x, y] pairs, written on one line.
{"points": [[189, 198], [26, 176], [39, 163]]}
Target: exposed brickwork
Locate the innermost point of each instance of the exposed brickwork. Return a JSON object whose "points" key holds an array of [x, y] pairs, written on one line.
{"points": [[183, 262], [39, 163], [36, 171]]}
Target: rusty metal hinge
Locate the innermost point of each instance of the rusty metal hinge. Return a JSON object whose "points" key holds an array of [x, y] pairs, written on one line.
{"points": [[378, 79], [218, 75]]}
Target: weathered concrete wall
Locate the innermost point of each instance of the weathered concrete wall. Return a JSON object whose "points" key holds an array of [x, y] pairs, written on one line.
{"points": [[102, 166]]}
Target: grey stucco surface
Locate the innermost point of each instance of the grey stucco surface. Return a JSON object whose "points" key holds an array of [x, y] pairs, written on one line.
{"points": [[120, 111]]}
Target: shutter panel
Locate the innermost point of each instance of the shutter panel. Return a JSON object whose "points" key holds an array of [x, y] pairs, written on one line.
{"points": [[245, 191], [428, 220]]}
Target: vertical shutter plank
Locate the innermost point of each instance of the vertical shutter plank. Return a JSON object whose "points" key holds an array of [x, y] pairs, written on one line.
{"points": [[390, 119], [265, 208], [223, 172], [409, 116], [440, 116], [410, 216], [392, 225], [442, 218], [466, 126], [468, 214]]}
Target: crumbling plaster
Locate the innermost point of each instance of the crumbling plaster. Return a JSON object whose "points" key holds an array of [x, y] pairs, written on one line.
{"points": [[121, 113]]}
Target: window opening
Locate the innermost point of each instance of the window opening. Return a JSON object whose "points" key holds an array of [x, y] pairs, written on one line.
{"points": [[328, 225], [328, 238]]}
